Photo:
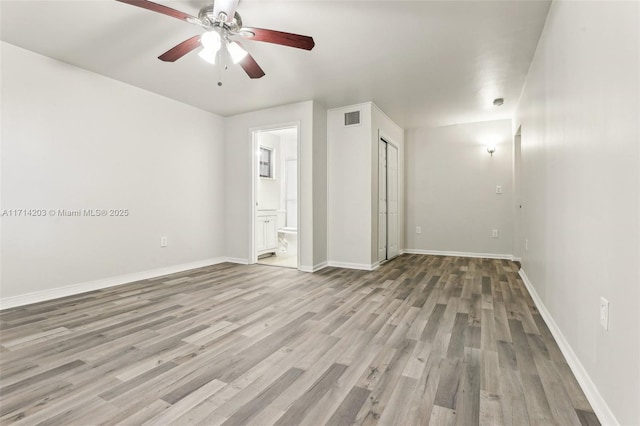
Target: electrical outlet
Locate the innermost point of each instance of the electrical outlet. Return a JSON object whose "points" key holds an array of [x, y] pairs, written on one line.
{"points": [[494, 233], [498, 189], [526, 244], [418, 229], [604, 313], [163, 241]]}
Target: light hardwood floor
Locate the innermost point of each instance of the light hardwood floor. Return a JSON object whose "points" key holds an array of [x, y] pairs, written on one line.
{"points": [[422, 340], [283, 260]]}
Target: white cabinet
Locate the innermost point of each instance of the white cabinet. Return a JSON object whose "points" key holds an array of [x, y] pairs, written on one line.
{"points": [[266, 234]]}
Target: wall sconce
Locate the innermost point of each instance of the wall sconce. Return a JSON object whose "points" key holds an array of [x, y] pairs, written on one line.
{"points": [[491, 149]]}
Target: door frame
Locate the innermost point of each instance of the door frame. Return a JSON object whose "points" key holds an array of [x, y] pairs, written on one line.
{"points": [[518, 195], [385, 144], [253, 257]]}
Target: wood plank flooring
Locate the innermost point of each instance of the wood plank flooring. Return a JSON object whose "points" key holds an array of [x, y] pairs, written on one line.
{"points": [[421, 340]]}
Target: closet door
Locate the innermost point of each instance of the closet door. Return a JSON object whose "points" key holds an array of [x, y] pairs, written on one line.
{"points": [[392, 202], [382, 201]]}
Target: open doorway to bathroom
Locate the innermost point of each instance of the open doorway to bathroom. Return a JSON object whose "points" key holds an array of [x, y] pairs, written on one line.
{"points": [[276, 197]]}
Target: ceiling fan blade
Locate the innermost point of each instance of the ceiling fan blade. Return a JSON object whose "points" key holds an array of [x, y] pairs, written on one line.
{"points": [[155, 7], [279, 37], [226, 6], [250, 66], [180, 50]]}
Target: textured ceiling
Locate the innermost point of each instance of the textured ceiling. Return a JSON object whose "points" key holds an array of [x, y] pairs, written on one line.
{"points": [[424, 63]]}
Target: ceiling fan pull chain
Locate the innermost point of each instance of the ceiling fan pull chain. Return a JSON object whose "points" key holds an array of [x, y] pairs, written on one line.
{"points": [[221, 64]]}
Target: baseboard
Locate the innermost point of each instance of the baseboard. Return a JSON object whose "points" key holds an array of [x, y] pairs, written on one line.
{"points": [[460, 254], [599, 405], [237, 260], [56, 293], [313, 268], [347, 265]]}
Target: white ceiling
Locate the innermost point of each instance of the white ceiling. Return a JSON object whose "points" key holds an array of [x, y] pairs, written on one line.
{"points": [[424, 63]]}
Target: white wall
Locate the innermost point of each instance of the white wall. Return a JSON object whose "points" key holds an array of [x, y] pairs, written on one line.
{"points": [[581, 194], [72, 139], [288, 152], [349, 203], [268, 189], [353, 183], [238, 161], [320, 183], [451, 188]]}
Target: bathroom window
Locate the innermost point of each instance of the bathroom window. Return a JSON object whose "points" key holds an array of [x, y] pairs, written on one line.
{"points": [[266, 163]]}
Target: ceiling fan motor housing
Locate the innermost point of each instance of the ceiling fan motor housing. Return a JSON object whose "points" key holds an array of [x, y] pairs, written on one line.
{"points": [[206, 16]]}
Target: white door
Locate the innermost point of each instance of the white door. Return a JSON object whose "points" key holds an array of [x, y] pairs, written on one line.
{"points": [[392, 201], [382, 201]]}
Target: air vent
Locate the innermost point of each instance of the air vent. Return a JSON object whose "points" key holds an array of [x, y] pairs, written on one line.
{"points": [[351, 118]]}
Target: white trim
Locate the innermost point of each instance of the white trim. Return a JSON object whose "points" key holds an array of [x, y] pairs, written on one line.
{"points": [[347, 265], [313, 268], [598, 403], [461, 254], [56, 293]]}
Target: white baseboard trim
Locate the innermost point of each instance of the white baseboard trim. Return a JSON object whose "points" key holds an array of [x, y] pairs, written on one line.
{"points": [[460, 254], [347, 265], [599, 405], [314, 268], [237, 260], [56, 293]]}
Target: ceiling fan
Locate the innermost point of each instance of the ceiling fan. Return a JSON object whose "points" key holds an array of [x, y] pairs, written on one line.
{"points": [[223, 27]]}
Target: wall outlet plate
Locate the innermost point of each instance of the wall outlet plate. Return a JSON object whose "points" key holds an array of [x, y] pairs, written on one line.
{"points": [[494, 233], [418, 229], [498, 189], [163, 241]]}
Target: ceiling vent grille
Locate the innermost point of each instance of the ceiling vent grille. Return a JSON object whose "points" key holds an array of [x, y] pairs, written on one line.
{"points": [[352, 118]]}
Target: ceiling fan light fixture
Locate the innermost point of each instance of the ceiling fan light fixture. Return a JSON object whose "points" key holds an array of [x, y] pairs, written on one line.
{"points": [[208, 55], [211, 40], [237, 53]]}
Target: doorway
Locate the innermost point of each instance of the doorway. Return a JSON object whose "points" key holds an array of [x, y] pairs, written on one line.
{"points": [[276, 197], [387, 201]]}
